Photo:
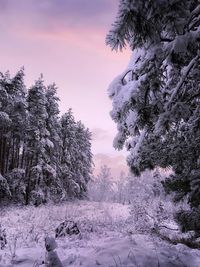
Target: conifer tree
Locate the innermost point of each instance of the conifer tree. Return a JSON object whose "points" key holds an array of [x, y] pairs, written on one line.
{"points": [[5, 121], [54, 140], [156, 101], [68, 158], [83, 158], [37, 157], [18, 116], [76, 157], [42, 157], [14, 92]]}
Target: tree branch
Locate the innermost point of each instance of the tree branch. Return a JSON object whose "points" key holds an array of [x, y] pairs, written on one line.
{"points": [[164, 226], [168, 40], [182, 80], [122, 79]]}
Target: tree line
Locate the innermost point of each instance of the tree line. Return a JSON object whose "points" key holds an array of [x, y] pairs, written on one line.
{"points": [[42, 155]]}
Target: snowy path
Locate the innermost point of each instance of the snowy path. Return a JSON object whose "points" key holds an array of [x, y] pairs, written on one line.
{"points": [[107, 245]]}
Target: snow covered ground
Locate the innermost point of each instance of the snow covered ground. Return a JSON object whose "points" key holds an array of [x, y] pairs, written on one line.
{"points": [[107, 238]]}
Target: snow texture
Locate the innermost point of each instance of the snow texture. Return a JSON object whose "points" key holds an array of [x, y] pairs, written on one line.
{"points": [[106, 239]]}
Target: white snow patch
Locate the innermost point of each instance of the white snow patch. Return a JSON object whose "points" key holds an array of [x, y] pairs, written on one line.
{"points": [[107, 244]]}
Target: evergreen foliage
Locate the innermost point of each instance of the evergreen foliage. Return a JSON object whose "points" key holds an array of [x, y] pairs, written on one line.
{"points": [[156, 101], [42, 156]]}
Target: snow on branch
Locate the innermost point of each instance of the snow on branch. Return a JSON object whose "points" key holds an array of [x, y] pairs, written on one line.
{"points": [[185, 73], [194, 18]]}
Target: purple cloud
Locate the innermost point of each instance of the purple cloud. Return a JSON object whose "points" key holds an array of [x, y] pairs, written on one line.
{"points": [[99, 134], [53, 14], [77, 8]]}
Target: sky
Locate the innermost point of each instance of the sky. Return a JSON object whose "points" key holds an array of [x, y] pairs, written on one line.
{"points": [[65, 40]]}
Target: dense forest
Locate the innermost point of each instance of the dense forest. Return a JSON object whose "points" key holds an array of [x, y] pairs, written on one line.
{"points": [[42, 155]]}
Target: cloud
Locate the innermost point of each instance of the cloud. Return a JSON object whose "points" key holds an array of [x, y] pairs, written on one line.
{"points": [[117, 164], [74, 8], [56, 15], [3, 5], [99, 134], [102, 139]]}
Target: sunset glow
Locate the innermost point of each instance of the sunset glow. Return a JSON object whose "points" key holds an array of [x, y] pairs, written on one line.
{"points": [[65, 40]]}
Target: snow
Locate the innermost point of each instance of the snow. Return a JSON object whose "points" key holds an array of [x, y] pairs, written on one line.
{"points": [[138, 143], [106, 238], [48, 143], [131, 120], [185, 71], [4, 118]]}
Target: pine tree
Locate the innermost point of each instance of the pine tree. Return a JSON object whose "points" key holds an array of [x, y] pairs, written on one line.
{"points": [[42, 157], [68, 160], [5, 121], [13, 128], [36, 158], [83, 158], [156, 101], [54, 141], [76, 156], [18, 115]]}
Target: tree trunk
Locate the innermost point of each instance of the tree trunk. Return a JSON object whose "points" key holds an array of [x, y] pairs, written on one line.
{"points": [[28, 187]]}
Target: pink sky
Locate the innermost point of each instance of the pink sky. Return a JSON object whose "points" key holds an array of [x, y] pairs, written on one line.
{"points": [[65, 40]]}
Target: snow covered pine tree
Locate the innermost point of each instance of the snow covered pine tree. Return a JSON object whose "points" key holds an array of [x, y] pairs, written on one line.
{"points": [[156, 102], [37, 160], [13, 119], [76, 157]]}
